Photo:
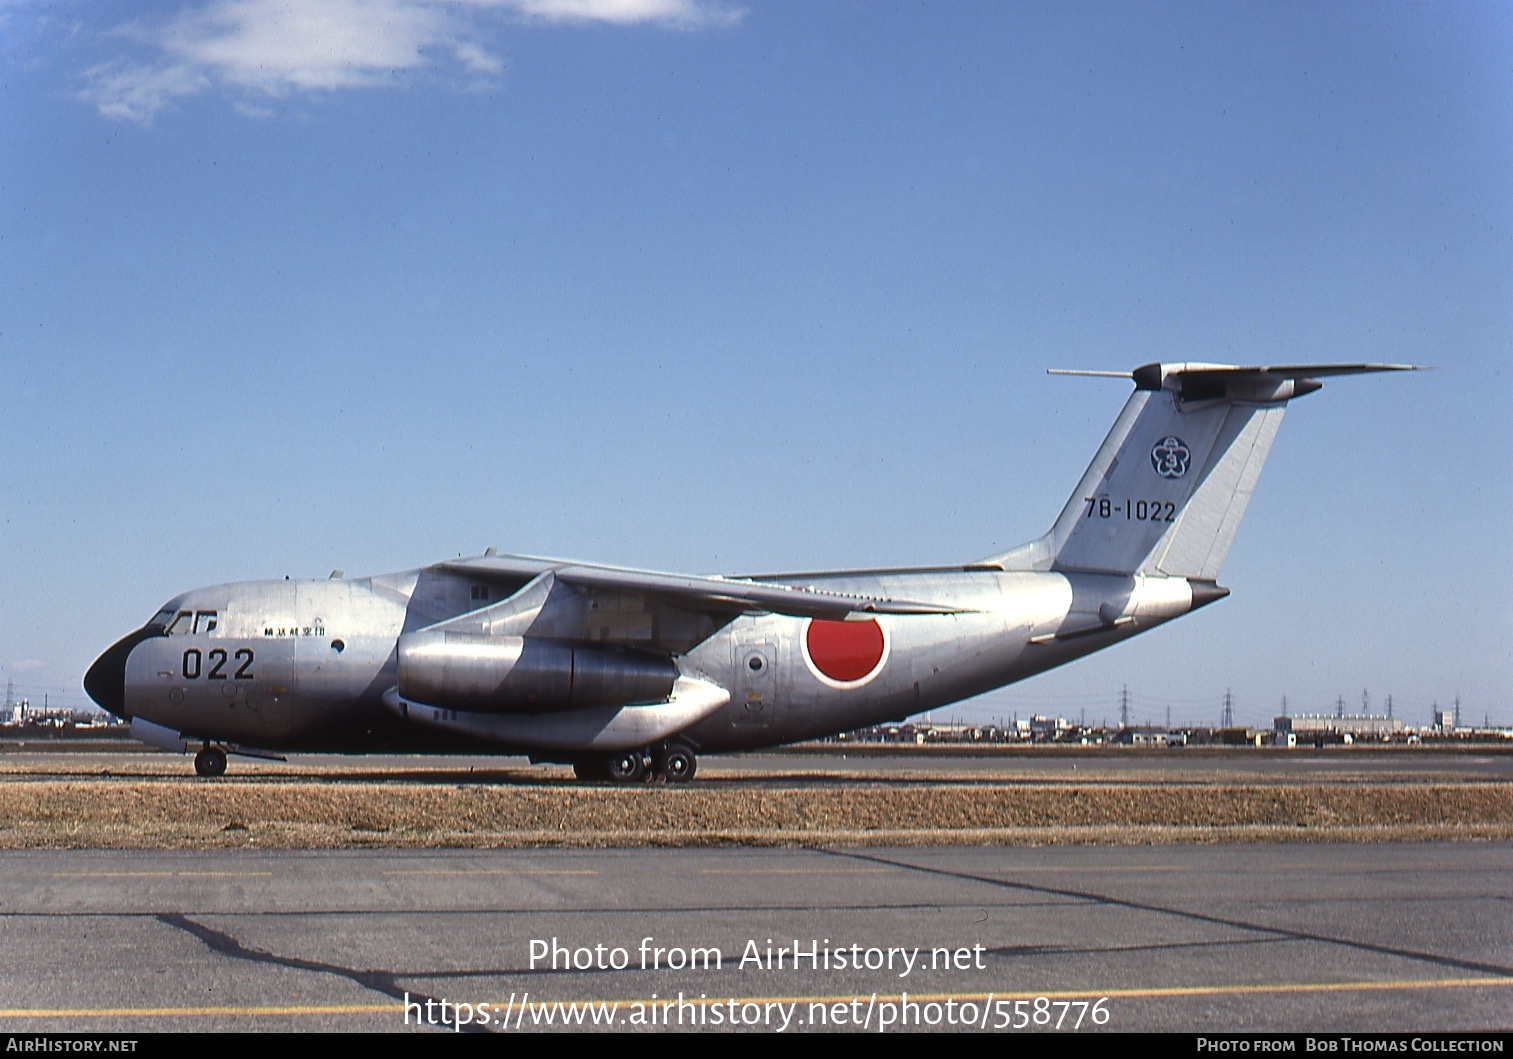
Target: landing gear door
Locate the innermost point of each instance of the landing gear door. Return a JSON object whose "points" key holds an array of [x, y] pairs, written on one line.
{"points": [[754, 693]]}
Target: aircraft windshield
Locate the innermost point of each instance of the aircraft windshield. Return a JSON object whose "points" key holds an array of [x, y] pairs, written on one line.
{"points": [[172, 622]]}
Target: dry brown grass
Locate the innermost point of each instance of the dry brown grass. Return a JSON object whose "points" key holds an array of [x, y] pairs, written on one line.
{"points": [[155, 813]]}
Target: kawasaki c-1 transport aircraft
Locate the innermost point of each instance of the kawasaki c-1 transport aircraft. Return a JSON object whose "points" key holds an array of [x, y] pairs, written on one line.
{"points": [[627, 675]]}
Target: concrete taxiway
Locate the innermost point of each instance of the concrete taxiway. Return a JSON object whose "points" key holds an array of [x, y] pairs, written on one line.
{"points": [[1385, 937]]}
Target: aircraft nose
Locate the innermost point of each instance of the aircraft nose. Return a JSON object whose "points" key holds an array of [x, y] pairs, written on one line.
{"points": [[106, 680]]}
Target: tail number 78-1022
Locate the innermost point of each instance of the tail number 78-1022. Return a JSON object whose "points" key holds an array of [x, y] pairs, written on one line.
{"points": [[1133, 510]]}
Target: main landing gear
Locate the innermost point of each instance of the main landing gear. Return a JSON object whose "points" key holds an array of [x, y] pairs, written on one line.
{"points": [[210, 761], [673, 762]]}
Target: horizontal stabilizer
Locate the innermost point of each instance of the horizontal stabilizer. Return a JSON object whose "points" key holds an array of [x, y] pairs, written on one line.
{"points": [[1166, 491], [1199, 382]]}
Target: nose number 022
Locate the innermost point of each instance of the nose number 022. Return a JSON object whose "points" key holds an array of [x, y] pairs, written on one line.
{"points": [[218, 659]]}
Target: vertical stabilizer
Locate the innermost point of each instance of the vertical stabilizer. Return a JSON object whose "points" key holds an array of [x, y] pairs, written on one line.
{"points": [[1166, 491]]}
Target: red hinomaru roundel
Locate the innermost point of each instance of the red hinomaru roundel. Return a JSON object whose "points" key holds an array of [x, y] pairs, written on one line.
{"points": [[848, 653]]}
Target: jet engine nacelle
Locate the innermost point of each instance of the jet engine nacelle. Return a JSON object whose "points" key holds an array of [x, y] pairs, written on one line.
{"points": [[525, 674]]}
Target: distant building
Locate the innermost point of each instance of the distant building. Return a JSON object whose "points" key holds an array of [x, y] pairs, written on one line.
{"points": [[1141, 735], [24, 713], [1048, 729], [1310, 726]]}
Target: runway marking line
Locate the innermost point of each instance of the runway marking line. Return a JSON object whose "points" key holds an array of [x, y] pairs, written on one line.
{"points": [[494, 871], [1115, 871], [160, 874], [165, 1013], [800, 871], [923, 998]]}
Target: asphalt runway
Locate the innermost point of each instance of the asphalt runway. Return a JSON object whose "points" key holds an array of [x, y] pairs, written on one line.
{"points": [[1296, 938]]}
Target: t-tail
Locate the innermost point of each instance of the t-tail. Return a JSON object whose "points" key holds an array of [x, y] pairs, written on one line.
{"points": [[1165, 493]]}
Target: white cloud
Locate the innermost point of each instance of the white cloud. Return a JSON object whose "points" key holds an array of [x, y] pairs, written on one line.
{"points": [[476, 59], [274, 47], [685, 13], [136, 93]]}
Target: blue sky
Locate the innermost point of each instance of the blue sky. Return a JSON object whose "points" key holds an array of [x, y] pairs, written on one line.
{"points": [[771, 286]]}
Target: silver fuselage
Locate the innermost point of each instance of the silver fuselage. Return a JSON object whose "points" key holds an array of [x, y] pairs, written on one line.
{"points": [[313, 665]]}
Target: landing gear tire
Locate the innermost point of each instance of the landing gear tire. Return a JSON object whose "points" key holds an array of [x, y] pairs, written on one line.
{"points": [[677, 763], [211, 761], [628, 766]]}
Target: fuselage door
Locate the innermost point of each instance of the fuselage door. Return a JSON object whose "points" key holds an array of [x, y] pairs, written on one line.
{"points": [[754, 687]]}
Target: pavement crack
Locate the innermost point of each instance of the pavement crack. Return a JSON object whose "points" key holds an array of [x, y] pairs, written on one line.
{"points": [[383, 982], [1198, 917]]}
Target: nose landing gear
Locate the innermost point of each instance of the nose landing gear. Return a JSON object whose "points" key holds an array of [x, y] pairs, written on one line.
{"points": [[210, 761]]}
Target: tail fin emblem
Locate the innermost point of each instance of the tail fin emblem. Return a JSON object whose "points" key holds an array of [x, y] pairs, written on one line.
{"points": [[1170, 457]]}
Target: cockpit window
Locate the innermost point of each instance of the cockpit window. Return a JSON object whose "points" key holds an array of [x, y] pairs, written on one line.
{"points": [[171, 622]]}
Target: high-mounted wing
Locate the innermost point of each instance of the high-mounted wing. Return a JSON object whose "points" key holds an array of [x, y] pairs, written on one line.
{"points": [[725, 596], [581, 602]]}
